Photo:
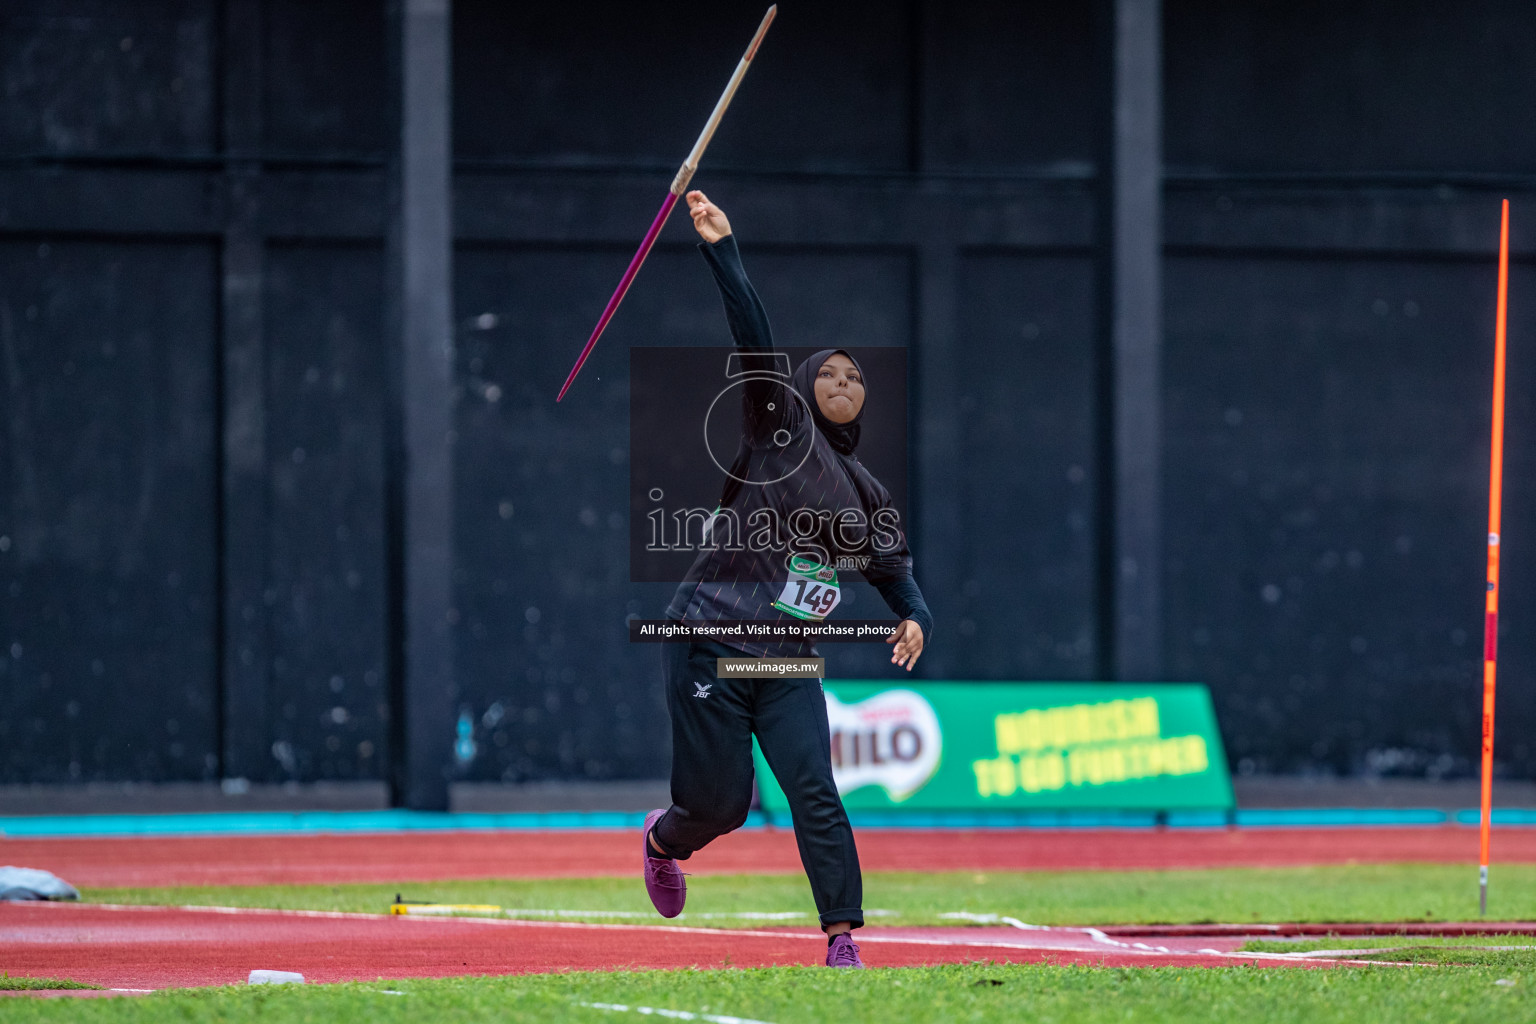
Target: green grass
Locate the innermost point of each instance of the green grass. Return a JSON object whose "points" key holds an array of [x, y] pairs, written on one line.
{"points": [[1461, 983], [1468, 950], [978, 993], [1502, 959], [1392, 892], [1384, 941], [10, 984]]}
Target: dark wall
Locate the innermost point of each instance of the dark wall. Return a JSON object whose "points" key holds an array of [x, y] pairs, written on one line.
{"points": [[918, 175], [1328, 467], [545, 83], [1027, 410], [1362, 88], [107, 367], [327, 618], [96, 76]]}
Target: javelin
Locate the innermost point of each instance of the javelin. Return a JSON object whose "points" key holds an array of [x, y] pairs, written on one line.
{"points": [[679, 186], [1495, 497]]}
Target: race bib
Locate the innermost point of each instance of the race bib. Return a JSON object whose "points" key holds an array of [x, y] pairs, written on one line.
{"points": [[811, 591]]}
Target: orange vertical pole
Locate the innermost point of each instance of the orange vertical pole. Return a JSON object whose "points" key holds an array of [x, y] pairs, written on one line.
{"points": [[1495, 498]]}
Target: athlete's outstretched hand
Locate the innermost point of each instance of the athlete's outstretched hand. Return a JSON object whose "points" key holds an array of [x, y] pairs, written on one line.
{"points": [[908, 638], [708, 219]]}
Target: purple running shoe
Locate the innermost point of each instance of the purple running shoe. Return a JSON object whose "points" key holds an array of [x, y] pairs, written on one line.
{"points": [[843, 953], [663, 882]]}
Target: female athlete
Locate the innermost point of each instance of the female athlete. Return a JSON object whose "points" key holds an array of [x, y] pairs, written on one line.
{"points": [[795, 468]]}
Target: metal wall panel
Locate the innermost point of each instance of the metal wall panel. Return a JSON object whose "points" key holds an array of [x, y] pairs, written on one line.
{"points": [[98, 77], [108, 491], [1026, 587], [327, 704], [325, 89], [631, 83], [1008, 86], [1326, 501], [1365, 87]]}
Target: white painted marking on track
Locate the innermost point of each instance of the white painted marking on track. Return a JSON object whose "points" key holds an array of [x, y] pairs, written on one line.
{"points": [[347, 915], [713, 1018], [352, 915], [344, 915], [589, 925], [1125, 948], [1129, 947], [1012, 922], [742, 915]]}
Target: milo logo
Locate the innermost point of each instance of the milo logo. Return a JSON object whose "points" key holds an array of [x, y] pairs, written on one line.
{"points": [[891, 740]]}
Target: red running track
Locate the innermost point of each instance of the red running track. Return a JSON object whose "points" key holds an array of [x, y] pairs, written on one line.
{"points": [[430, 856], [157, 947]]}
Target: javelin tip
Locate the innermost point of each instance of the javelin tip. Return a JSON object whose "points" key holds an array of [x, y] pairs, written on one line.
{"points": [[762, 30]]}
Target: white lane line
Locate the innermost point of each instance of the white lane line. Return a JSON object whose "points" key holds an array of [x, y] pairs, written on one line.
{"points": [[742, 915], [1012, 922], [345, 915], [1130, 947], [684, 930], [587, 925], [713, 1018], [671, 929], [1092, 933], [505, 922]]}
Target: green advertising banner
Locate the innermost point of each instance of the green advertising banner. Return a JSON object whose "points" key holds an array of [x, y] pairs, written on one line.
{"points": [[1021, 746]]}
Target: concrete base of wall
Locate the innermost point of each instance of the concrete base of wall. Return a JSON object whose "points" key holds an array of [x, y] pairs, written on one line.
{"points": [[1277, 791], [212, 797], [496, 797], [1254, 791]]}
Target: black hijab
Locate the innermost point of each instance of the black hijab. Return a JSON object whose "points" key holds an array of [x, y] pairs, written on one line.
{"points": [[843, 437]]}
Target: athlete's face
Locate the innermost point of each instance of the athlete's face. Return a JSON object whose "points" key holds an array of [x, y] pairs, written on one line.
{"points": [[839, 389]]}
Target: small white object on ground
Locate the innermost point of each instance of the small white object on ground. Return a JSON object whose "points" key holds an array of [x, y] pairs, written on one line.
{"points": [[650, 1011], [33, 884], [276, 978]]}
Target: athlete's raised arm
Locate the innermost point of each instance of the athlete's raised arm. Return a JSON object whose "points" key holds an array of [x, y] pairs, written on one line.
{"points": [[743, 309], [766, 406]]}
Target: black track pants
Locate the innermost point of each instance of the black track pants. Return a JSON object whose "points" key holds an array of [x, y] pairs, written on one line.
{"points": [[713, 721]]}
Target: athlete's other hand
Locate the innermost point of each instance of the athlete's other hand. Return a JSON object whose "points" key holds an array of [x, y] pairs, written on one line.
{"points": [[708, 219], [908, 638]]}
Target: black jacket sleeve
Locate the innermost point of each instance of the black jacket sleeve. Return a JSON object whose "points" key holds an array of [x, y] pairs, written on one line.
{"points": [[901, 593], [889, 569], [765, 405], [743, 309]]}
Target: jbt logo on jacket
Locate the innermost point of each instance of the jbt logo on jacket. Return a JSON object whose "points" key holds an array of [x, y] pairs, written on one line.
{"points": [[891, 740]]}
